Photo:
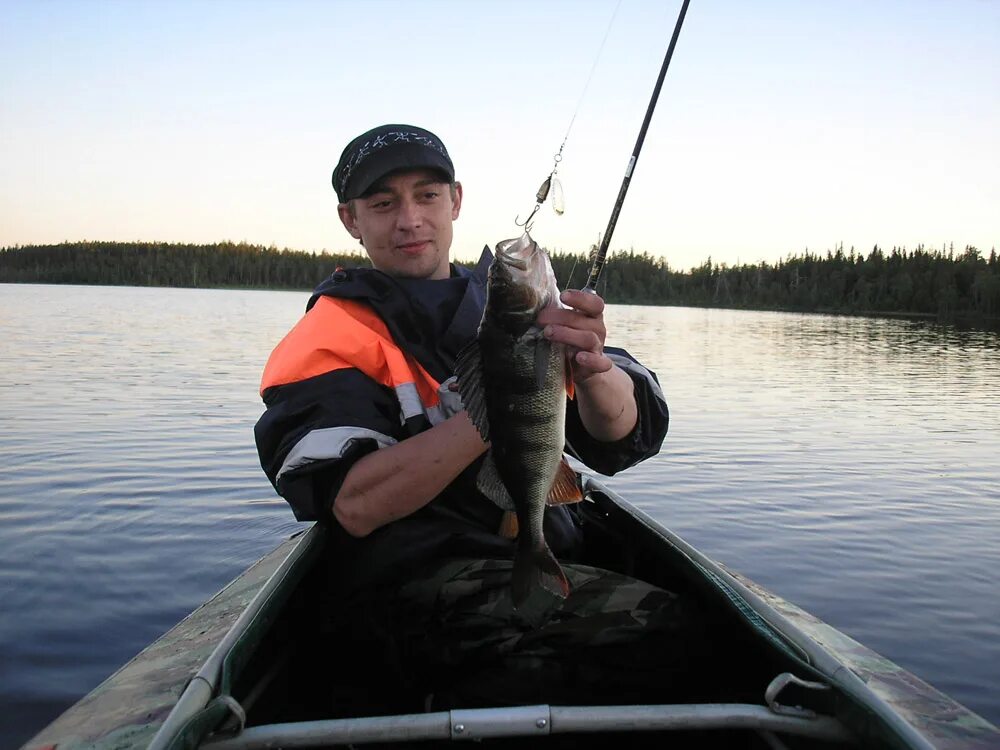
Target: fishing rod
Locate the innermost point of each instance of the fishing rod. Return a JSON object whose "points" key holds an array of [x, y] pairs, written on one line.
{"points": [[602, 253]]}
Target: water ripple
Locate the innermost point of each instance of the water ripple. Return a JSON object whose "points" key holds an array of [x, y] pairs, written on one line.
{"points": [[848, 464]]}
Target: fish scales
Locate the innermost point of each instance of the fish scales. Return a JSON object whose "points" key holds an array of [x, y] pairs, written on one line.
{"points": [[527, 419]]}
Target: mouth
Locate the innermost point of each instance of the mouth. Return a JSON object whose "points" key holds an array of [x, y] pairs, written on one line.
{"points": [[511, 260], [413, 248]]}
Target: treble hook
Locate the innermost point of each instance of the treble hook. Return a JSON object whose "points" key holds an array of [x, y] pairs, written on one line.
{"points": [[527, 222]]}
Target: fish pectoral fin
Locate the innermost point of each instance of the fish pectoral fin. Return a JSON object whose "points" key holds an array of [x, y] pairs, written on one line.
{"points": [[570, 384], [566, 487], [469, 370], [508, 525]]}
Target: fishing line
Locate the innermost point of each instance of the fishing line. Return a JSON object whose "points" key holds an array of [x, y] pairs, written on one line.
{"points": [[599, 258], [551, 183]]}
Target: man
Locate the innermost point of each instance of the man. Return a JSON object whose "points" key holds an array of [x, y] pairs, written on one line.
{"points": [[361, 431]]}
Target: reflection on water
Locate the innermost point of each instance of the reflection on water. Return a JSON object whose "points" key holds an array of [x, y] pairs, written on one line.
{"points": [[848, 464]]}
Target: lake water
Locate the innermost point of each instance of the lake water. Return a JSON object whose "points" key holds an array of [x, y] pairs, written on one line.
{"points": [[850, 465]]}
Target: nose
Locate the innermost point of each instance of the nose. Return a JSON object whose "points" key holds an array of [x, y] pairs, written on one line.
{"points": [[409, 216]]}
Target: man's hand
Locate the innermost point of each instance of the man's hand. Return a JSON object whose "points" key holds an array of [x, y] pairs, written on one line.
{"points": [[581, 328], [604, 393]]}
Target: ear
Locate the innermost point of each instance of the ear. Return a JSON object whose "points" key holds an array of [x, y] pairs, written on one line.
{"points": [[456, 204], [348, 219]]}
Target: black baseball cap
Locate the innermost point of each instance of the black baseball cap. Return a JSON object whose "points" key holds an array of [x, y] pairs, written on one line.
{"points": [[387, 148]]}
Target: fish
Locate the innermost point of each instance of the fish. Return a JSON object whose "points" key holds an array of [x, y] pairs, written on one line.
{"points": [[513, 382]]}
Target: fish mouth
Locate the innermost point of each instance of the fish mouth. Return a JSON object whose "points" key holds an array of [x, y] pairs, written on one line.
{"points": [[508, 258]]}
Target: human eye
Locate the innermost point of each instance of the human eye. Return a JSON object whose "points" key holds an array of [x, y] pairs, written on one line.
{"points": [[380, 203]]}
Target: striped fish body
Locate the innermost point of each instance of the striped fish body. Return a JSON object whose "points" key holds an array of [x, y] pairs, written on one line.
{"points": [[526, 408], [513, 384]]}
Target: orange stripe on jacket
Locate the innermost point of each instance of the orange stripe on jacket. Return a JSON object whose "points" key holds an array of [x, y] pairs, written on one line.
{"points": [[337, 334]]}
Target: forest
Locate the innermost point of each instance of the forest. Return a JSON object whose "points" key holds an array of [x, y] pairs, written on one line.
{"points": [[942, 283]]}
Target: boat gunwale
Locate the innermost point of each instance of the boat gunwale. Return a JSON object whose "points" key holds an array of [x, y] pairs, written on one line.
{"points": [[834, 664], [201, 690]]}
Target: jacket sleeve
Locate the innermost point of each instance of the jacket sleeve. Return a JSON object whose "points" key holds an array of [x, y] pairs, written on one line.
{"points": [[314, 430], [646, 437]]}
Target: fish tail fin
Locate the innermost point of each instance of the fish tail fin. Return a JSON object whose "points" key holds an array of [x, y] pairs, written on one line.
{"points": [[538, 583]]}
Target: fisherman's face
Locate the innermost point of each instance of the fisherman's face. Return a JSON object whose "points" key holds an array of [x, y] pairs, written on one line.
{"points": [[405, 224]]}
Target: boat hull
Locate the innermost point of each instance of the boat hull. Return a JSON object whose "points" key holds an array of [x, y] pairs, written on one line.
{"points": [[168, 695]]}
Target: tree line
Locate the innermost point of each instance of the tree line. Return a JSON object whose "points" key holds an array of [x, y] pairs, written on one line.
{"points": [[942, 283], [223, 264]]}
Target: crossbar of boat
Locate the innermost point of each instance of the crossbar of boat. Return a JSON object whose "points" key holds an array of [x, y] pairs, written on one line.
{"points": [[530, 721]]}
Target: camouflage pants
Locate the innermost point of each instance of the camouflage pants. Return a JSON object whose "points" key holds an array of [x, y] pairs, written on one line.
{"points": [[449, 637]]}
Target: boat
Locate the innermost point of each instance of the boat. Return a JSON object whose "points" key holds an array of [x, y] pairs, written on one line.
{"points": [[237, 673]]}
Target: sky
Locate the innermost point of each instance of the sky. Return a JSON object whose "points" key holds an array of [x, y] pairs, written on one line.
{"points": [[782, 126]]}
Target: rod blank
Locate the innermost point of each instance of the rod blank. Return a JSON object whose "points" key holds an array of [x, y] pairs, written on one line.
{"points": [[602, 253]]}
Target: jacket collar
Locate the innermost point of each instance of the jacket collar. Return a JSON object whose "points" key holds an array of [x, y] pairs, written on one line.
{"points": [[434, 343]]}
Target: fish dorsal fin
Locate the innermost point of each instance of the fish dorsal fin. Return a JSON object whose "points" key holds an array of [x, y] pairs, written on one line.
{"points": [[469, 369], [566, 487]]}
